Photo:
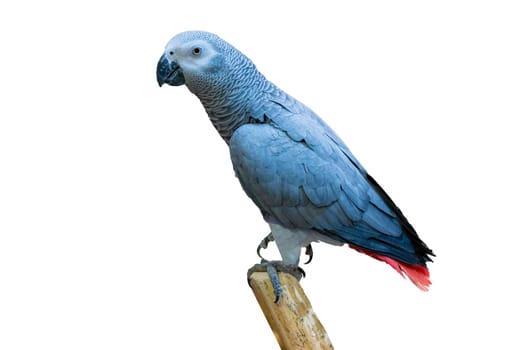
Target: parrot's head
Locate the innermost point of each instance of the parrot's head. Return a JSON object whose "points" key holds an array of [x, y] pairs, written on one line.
{"points": [[202, 61]]}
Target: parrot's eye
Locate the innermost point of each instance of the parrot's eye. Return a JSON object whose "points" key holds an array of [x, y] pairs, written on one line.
{"points": [[196, 51]]}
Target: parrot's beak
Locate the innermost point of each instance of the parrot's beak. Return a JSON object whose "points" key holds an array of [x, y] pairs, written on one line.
{"points": [[169, 72]]}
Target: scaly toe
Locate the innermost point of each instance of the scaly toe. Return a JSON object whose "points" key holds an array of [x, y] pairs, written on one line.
{"points": [[264, 244]]}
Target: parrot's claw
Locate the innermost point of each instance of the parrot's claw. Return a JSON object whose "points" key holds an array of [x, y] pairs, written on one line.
{"points": [[272, 268], [264, 244], [309, 252]]}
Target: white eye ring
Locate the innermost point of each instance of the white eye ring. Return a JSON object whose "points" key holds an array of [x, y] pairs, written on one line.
{"points": [[196, 51]]}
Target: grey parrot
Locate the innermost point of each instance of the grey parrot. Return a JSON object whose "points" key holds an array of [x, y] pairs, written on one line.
{"points": [[306, 182]]}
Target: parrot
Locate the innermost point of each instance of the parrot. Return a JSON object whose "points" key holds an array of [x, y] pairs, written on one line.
{"points": [[305, 181]]}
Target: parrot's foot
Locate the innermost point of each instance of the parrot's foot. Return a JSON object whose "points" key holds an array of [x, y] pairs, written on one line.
{"points": [[269, 238], [272, 268], [264, 244]]}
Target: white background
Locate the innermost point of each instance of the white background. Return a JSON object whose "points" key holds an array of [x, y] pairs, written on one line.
{"points": [[122, 225]]}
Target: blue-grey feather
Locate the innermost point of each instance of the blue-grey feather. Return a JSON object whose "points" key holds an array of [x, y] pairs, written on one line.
{"points": [[381, 222]]}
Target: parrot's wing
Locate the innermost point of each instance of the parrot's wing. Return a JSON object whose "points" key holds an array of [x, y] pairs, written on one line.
{"points": [[297, 172]]}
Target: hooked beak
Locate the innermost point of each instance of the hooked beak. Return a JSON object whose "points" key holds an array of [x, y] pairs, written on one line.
{"points": [[169, 72]]}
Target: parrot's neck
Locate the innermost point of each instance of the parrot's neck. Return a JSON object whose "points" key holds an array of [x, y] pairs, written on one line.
{"points": [[229, 108], [226, 116]]}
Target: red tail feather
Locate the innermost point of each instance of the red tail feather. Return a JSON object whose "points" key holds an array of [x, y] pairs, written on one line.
{"points": [[418, 274]]}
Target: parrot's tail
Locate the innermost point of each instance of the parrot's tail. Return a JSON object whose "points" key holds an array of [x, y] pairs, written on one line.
{"points": [[418, 274]]}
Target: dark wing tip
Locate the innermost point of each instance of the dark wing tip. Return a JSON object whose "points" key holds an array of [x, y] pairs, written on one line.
{"points": [[422, 251]]}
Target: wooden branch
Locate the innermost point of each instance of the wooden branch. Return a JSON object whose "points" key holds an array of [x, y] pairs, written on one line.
{"points": [[294, 323]]}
